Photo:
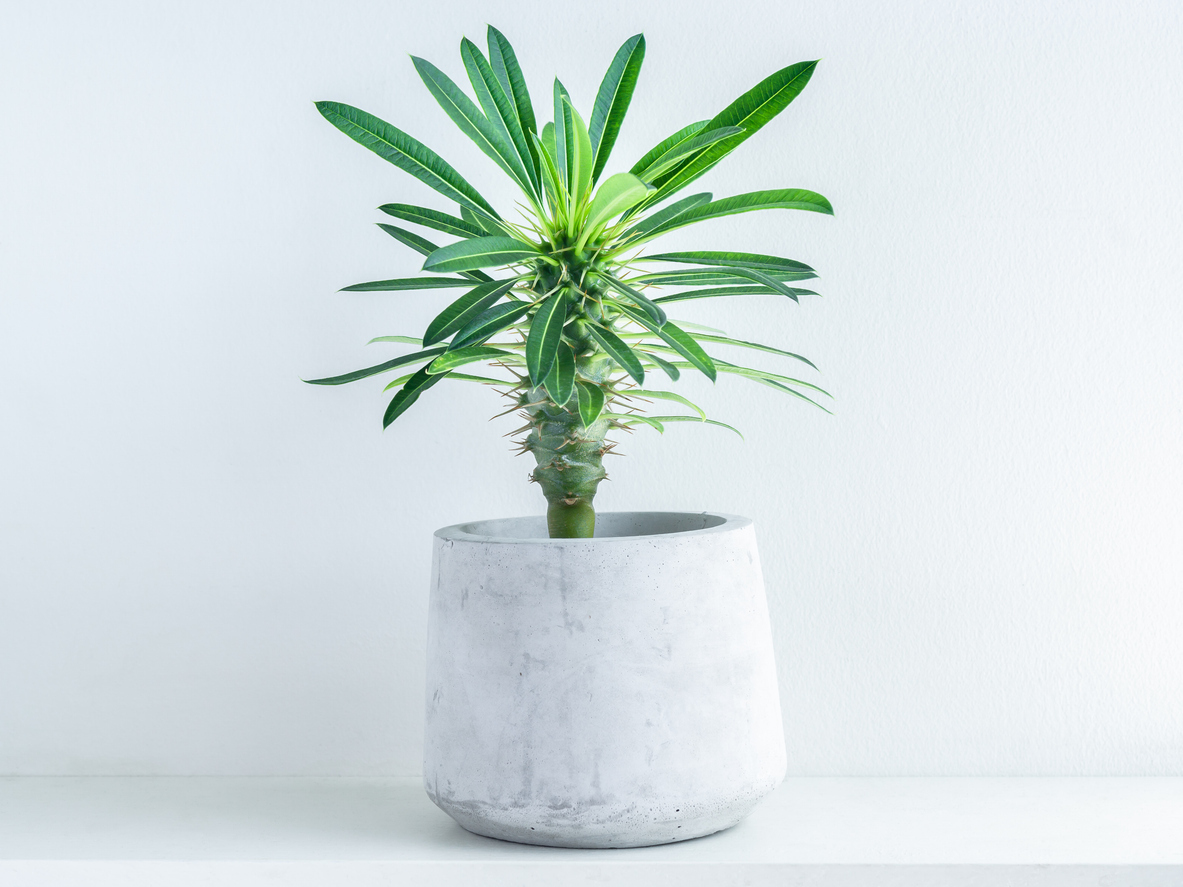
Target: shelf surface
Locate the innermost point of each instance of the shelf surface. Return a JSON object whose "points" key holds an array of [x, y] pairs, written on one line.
{"points": [[818, 831]]}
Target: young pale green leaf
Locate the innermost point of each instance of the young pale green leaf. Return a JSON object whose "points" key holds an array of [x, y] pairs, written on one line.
{"points": [[661, 363], [612, 100], [395, 146], [750, 112], [763, 374], [679, 152], [619, 193], [408, 394], [784, 198], [499, 110], [703, 421], [783, 267], [472, 122], [642, 301], [667, 143], [556, 192], [581, 160], [423, 246], [664, 395], [480, 252], [401, 340], [509, 73], [462, 356], [560, 381], [618, 351], [632, 418], [406, 359], [717, 291], [564, 135], [542, 343], [678, 339], [431, 218], [785, 389], [462, 312], [591, 402], [406, 283], [489, 323]]}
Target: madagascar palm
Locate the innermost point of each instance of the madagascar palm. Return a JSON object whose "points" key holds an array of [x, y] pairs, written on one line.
{"points": [[570, 314]]}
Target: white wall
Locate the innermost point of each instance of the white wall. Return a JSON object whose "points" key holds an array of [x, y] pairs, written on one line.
{"points": [[974, 566]]}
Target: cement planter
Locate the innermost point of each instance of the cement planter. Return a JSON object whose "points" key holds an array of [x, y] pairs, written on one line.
{"points": [[609, 692]]}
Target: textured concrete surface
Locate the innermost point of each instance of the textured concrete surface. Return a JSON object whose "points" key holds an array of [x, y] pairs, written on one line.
{"points": [[612, 692]]}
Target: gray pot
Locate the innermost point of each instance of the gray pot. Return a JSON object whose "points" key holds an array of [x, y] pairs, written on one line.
{"points": [[610, 692]]}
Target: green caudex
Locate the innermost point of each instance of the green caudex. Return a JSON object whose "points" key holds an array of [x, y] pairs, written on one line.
{"points": [[564, 307]]}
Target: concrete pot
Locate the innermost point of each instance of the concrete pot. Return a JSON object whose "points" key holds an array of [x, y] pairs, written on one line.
{"points": [[610, 692]]}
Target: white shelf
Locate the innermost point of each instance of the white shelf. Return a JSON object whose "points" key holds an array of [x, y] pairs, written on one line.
{"points": [[357, 832]]}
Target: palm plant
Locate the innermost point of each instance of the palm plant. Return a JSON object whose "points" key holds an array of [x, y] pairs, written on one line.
{"points": [[570, 316]]}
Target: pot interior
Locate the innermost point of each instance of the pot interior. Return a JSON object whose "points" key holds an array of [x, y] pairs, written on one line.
{"points": [[611, 524]]}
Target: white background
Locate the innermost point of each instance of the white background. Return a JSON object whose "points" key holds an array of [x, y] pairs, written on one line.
{"points": [[974, 566]]}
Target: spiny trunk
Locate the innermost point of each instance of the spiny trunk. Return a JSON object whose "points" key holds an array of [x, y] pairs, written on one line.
{"points": [[570, 465]]}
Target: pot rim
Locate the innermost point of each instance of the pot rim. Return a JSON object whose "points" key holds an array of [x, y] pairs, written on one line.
{"points": [[464, 532]]}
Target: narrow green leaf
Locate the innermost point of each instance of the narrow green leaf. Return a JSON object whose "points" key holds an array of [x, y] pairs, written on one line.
{"points": [[703, 421], [740, 343], [458, 377], [664, 365], [484, 223], [630, 418], [579, 162], [408, 394], [591, 402], [751, 111], [466, 115], [560, 381], [480, 252], [717, 291], [564, 136], [771, 282], [509, 73], [664, 395], [784, 267], [423, 246], [618, 351], [395, 146], [406, 283], [784, 198], [677, 153], [642, 301], [658, 219], [499, 110], [462, 356], [667, 143], [556, 192], [431, 218], [678, 339], [401, 340], [763, 374], [404, 360], [489, 323], [612, 100], [461, 312], [619, 193], [546, 329]]}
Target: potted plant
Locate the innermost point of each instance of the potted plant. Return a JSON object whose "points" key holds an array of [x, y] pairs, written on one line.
{"points": [[591, 683]]}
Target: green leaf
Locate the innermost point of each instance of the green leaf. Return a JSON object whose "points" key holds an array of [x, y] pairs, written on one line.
{"points": [[771, 282], [618, 351], [560, 381], [546, 329], [667, 143], [591, 402], [664, 395], [408, 394], [484, 223], [417, 357], [395, 146], [703, 421], [751, 111], [678, 339], [402, 340], [784, 198], [783, 267], [692, 144], [424, 247], [556, 192], [580, 162], [509, 73], [630, 418], [499, 109], [740, 343], [466, 115], [406, 283], [431, 218], [564, 136], [619, 193], [612, 100], [489, 323], [461, 356], [480, 252], [746, 290], [655, 313], [763, 374], [658, 219], [458, 377], [664, 365], [461, 312]]}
